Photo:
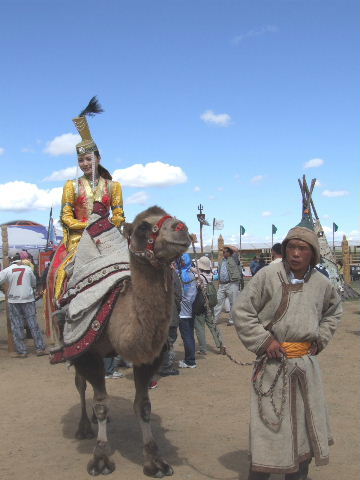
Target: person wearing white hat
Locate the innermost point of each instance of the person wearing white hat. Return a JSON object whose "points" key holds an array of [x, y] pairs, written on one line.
{"points": [[207, 317]]}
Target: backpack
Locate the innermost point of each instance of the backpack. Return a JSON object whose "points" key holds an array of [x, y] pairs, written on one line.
{"points": [[199, 304]]}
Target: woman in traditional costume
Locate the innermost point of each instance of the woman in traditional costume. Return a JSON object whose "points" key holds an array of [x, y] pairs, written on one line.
{"points": [[78, 197]]}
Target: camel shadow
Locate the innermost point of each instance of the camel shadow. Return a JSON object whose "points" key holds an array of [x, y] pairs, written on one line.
{"points": [[124, 432]]}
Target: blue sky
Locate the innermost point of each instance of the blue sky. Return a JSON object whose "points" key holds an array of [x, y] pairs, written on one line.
{"points": [[228, 101]]}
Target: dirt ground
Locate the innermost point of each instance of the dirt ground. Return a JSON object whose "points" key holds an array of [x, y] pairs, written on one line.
{"points": [[200, 418]]}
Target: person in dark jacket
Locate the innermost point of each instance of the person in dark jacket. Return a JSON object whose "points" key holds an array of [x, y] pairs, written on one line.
{"points": [[167, 367]]}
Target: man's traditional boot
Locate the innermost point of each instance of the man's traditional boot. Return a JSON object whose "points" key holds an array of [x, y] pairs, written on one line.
{"points": [[258, 475], [301, 474]]}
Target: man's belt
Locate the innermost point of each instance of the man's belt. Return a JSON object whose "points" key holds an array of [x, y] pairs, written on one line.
{"points": [[296, 349], [223, 283]]}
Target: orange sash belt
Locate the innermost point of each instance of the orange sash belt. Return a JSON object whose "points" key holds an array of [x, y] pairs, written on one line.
{"points": [[296, 349]]}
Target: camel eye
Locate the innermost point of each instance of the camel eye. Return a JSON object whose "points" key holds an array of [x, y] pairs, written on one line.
{"points": [[144, 226]]}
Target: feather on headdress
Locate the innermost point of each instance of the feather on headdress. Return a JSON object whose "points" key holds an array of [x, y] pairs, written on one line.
{"points": [[87, 144]]}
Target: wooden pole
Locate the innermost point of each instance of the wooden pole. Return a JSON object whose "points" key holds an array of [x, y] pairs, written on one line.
{"points": [[5, 253], [346, 260]]}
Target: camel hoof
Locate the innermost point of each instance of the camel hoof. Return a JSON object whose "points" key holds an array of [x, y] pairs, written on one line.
{"points": [[158, 470], [108, 468]]}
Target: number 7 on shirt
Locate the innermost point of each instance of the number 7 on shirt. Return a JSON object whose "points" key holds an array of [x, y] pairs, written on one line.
{"points": [[20, 277]]}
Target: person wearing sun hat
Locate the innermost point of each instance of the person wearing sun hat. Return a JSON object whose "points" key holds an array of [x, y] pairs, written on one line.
{"points": [[207, 317], [287, 315]]}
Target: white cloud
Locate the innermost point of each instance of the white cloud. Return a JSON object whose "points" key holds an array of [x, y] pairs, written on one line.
{"points": [[335, 193], [257, 178], [326, 216], [2, 150], [17, 196], [59, 175], [212, 197], [318, 183], [197, 188], [220, 119], [266, 214], [63, 144], [314, 162], [27, 150], [137, 198], [327, 229], [220, 189], [153, 174], [255, 33]]}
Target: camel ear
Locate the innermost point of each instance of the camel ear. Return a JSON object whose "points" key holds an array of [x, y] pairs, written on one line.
{"points": [[127, 230]]}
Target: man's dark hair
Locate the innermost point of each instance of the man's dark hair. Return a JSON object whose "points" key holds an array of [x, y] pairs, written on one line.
{"points": [[276, 248], [229, 250]]}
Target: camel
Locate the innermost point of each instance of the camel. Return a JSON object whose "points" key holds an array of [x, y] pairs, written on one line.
{"points": [[137, 330]]}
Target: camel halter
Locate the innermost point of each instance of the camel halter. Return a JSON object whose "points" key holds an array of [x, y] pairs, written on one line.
{"points": [[149, 250]]}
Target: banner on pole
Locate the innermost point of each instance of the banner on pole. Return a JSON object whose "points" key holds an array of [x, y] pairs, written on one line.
{"points": [[242, 230], [218, 224], [335, 227], [274, 229]]}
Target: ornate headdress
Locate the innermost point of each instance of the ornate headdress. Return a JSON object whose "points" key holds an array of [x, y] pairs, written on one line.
{"points": [[87, 144]]}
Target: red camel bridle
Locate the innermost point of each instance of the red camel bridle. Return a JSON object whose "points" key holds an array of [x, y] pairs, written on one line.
{"points": [[149, 250]]}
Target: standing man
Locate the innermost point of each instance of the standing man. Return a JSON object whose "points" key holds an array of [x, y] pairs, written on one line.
{"points": [[286, 316], [230, 274], [276, 253], [22, 282]]}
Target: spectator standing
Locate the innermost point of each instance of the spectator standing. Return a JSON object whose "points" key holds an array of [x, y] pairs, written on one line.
{"points": [[22, 282], [230, 274], [186, 323], [167, 366], [254, 265], [207, 317], [276, 253]]}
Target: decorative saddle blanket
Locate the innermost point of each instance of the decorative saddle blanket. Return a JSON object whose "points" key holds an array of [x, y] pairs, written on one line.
{"points": [[100, 268]]}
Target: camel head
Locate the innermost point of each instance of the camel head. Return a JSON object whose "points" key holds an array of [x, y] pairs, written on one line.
{"points": [[156, 237]]}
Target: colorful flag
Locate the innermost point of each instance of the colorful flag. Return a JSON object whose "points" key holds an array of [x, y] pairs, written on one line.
{"points": [[242, 230], [218, 224], [335, 227], [274, 229]]}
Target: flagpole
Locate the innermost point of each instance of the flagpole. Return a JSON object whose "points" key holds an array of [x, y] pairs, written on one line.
{"points": [[272, 237], [333, 238], [48, 233], [240, 241], [212, 243]]}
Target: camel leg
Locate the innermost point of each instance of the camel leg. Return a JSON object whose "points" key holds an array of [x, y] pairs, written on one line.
{"points": [[154, 465], [84, 429], [91, 367]]}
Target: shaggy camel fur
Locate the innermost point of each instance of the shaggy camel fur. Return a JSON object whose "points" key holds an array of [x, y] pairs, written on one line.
{"points": [[137, 330]]}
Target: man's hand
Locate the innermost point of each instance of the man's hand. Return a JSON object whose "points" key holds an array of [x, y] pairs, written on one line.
{"points": [[275, 350], [313, 349]]}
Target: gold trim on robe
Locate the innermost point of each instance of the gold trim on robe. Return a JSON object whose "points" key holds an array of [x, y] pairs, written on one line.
{"points": [[77, 205]]}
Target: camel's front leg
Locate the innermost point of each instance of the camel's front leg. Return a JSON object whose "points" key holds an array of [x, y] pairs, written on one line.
{"points": [[154, 465], [91, 367]]}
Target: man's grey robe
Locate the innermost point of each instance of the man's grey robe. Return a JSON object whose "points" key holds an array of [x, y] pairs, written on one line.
{"points": [[271, 307]]}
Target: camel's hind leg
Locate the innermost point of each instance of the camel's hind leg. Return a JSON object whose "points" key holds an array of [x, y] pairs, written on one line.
{"points": [[84, 429], [154, 465], [91, 367]]}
